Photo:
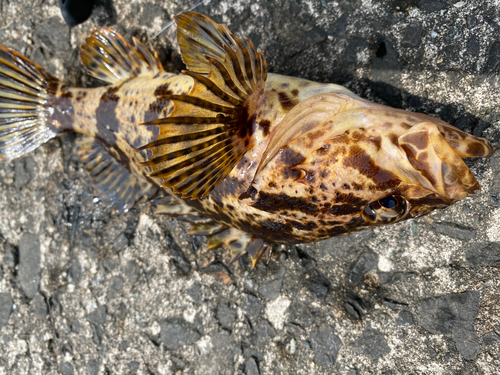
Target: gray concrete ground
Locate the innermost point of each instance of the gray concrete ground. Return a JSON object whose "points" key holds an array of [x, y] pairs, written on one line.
{"points": [[83, 291]]}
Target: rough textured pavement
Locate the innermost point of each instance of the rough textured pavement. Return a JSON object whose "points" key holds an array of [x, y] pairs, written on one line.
{"points": [[83, 291]]}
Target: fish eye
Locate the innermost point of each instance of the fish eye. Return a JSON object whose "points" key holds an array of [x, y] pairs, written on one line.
{"points": [[386, 210]]}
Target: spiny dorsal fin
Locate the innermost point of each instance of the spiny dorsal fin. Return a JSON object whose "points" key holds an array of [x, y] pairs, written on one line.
{"points": [[211, 128], [109, 57], [122, 188]]}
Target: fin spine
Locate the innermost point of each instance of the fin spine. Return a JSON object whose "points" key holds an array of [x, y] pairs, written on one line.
{"points": [[202, 103], [220, 139], [220, 119], [214, 88], [208, 157], [188, 137], [227, 78], [237, 68]]}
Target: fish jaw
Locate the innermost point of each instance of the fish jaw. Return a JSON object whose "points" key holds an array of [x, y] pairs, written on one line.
{"points": [[361, 153]]}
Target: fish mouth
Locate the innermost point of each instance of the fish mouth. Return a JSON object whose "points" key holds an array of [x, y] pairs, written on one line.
{"points": [[436, 152]]}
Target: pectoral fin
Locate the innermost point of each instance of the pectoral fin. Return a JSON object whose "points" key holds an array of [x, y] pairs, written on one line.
{"points": [[211, 128]]}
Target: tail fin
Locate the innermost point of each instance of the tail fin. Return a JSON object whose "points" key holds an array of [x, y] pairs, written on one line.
{"points": [[25, 93]]}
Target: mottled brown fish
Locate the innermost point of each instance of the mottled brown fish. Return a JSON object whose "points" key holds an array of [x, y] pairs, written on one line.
{"points": [[250, 159]]}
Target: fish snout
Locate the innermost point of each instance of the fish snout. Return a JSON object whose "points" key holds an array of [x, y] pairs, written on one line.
{"points": [[436, 156]]}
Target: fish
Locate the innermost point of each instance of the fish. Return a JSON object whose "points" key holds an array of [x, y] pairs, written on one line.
{"points": [[251, 159]]}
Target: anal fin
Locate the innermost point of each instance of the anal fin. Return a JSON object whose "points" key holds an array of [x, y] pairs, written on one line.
{"points": [[122, 188]]}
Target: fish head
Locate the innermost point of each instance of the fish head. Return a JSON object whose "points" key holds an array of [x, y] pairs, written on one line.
{"points": [[341, 164]]}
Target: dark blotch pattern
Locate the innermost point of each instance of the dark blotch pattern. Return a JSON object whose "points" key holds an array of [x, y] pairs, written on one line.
{"points": [[82, 94], [349, 198], [108, 125], [420, 163], [286, 102], [344, 209], [163, 90], [265, 125], [156, 110], [275, 226], [358, 159], [250, 193], [323, 150], [106, 121], [281, 202], [64, 113], [228, 187], [66, 93], [394, 139], [290, 158], [475, 149], [419, 140], [377, 141]]}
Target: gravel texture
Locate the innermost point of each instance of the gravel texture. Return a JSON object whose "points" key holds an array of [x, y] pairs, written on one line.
{"points": [[83, 291]]}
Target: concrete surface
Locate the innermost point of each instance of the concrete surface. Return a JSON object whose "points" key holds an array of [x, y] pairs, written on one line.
{"points": [[83, 291]]}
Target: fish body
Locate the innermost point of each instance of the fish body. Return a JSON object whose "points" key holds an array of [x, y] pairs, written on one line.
{"points": [[113, 114], [250, 159]]}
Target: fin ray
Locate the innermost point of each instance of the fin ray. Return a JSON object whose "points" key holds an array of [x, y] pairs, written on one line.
{"points": [[122, 188], [217, 115], [240, 243], [25, 93], [218, 234], [109, 57]]}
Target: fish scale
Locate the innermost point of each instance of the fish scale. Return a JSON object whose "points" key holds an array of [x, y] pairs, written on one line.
{"points": [[248, 157]]}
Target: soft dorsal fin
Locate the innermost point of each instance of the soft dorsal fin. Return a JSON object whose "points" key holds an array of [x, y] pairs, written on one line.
{"points": [[109, 57], [211, 128]]}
